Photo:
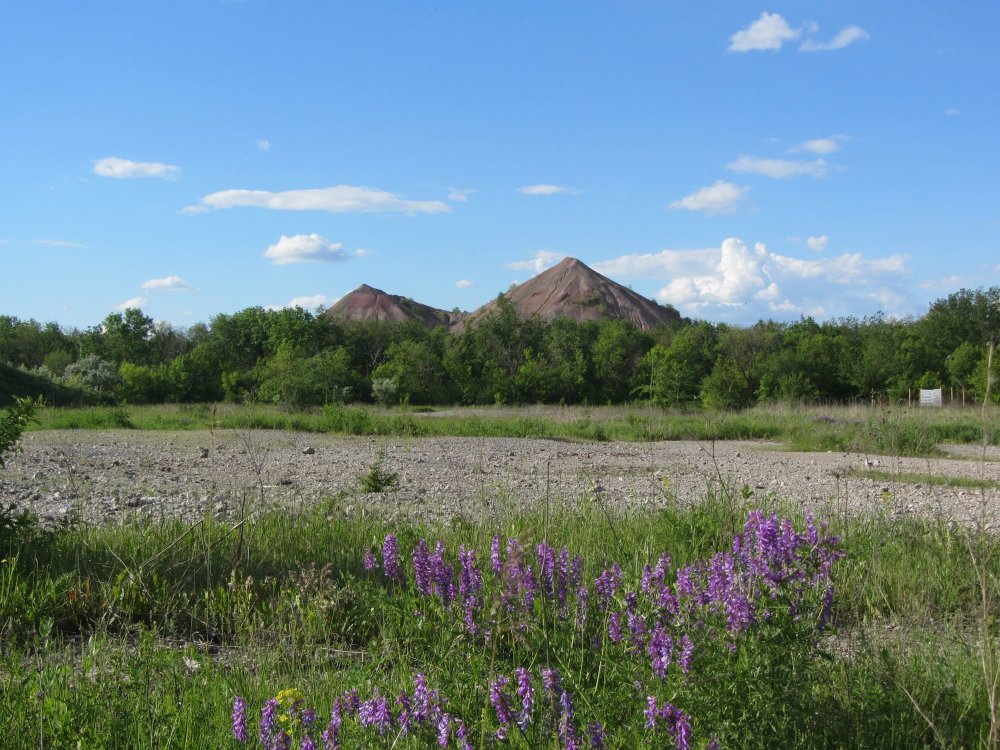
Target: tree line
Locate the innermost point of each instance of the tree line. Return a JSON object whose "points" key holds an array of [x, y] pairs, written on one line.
{"points": [[298, 359]]}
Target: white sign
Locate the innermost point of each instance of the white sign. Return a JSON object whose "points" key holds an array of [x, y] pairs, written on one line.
{"points": [[930, 397]]}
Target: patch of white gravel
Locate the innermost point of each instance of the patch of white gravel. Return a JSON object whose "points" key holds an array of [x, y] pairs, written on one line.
{"points": [[110, 476]]}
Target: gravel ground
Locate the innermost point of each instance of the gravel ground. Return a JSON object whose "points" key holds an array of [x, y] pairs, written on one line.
{"points": [[110, 476]]}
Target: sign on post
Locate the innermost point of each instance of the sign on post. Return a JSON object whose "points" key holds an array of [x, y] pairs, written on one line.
{"points": [[931, 397]]}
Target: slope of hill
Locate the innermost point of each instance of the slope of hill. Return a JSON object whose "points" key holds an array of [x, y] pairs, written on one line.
{"points": [[368, 303], [572, 289]]}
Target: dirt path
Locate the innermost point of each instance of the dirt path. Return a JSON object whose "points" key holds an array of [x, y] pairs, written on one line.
{"points": [[105, 476]]}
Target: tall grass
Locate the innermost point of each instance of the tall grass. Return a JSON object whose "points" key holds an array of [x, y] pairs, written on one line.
{"points": [[140, 636]]}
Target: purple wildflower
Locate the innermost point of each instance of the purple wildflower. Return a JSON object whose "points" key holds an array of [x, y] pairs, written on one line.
{"points": [[442, 574], [687, 651], [390, 559], [405, 712], [308, 717], [331, 735], [661, 648], [369, 560], [496, 561], [421, 698], [240, 719], [307, 743], [443, 730], [607, 584], [637, 631], [551, 681], [615, 627], [546, 555], [596, 732], [422, 568], [499, 702], [376, 713], [268, 730], [581, 607], [527, 695]]}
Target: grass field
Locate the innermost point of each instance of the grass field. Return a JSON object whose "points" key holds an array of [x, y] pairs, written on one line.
{"points": [[736, 623], [143, 637], [886, 431]]}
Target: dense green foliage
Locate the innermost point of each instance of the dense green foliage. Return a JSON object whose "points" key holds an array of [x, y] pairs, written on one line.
{"points": [[295, 358]]}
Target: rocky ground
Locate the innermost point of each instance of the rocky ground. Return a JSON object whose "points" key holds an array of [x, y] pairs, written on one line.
{"points": [[110, 476]]}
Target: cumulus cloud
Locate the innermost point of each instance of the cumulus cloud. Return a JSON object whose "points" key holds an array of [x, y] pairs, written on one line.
{"points": [[465, 284], [543, 260], [741, 283], [543, 190], [167, 284], [718, 198], [112, 166], [363, 252], [768, 32], [307, 302], [337, 199], [818, 244], [263, 144], [131, 303], [829, 145], [779, 169], [305, 248], [846, 36], [460, 195]]}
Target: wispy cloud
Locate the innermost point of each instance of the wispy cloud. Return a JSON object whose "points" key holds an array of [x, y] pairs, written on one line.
{"points": [[167, 284], [465, 284], [718, 198], [947, 284], [827, 145], [779, 169], [132, 303], [263, 144], [61, 243], [305, 248], [113, 166], [846, 36], [337, 199], [769, 32], [544, 190], [460, 195], [953, 112], [544, 259]]}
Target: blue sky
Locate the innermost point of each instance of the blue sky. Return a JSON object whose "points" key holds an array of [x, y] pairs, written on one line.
{"points": [[738, 161]]}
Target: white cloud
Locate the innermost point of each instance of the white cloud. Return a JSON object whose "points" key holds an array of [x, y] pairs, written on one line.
{"points": [[544, 259], [460, 195], [167, 284], [112, 166], [61, 243], [779, 169], [828, 145], [718, 198], [818, 244], [543, 190], [305, 248], [363, 252], [744, 284], [193, 210], [337, 199], [307, 302], [263, 144], [953, 112], [768, 32], [847, 35], [465, 284], [130, 303]]}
